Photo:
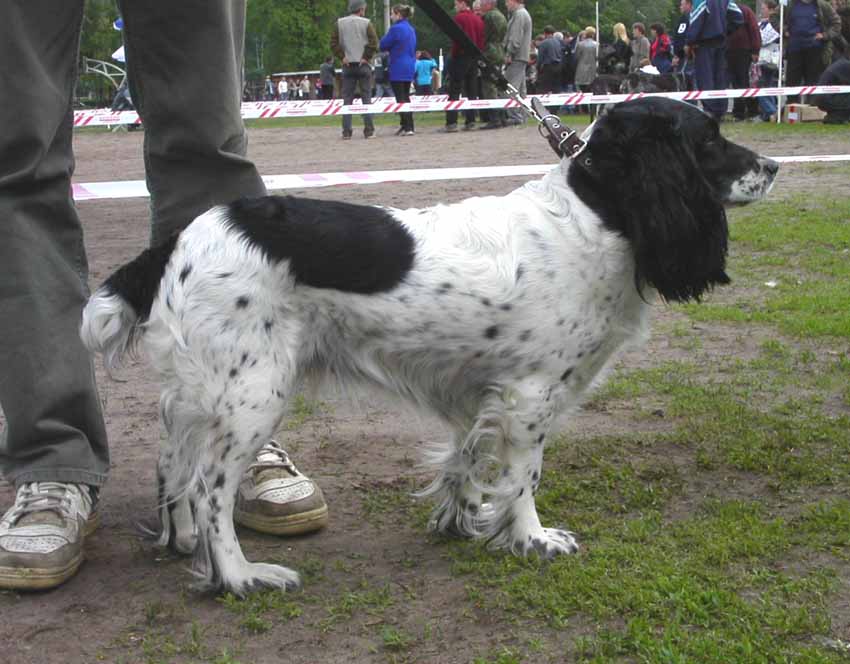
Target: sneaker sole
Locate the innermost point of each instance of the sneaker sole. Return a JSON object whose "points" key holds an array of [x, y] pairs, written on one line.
{"points": [[44, 578], [294, 524], [25, 578]]}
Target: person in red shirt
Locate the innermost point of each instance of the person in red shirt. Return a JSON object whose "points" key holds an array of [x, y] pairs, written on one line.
{"points": [[463, 70], [742, 50], [660, 50]]}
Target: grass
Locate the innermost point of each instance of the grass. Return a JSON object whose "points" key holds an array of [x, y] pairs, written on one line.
{"points": [[301, 410], [803, 245], [259, 611], [372, 601]]}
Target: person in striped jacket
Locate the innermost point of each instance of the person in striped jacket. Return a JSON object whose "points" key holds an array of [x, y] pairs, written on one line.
{"points": [[709, 23]]}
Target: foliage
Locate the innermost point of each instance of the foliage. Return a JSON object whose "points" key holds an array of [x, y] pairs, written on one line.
{"points": [[287, 36], [575, 15], [99, 40], [293, 35]]}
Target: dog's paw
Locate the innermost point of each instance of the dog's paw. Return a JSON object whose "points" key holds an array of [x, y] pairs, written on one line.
{"points": [[251, 577], [546, 543]]}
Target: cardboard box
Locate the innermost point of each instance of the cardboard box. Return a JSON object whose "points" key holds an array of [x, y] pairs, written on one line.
{"points": [[793, 113]]}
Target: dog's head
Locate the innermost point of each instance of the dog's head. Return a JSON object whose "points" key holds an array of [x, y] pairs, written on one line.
{"points": [[659, 173]]}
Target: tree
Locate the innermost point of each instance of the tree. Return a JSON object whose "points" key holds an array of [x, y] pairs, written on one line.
{"points": [[99, 40], [286, 35], [575, 15]]}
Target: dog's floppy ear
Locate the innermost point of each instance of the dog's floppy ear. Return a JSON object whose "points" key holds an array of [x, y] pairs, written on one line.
{"points": [[666, 208]]}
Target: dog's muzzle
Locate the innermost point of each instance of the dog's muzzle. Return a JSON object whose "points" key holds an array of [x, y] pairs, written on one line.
{"points": [[755, 184]]}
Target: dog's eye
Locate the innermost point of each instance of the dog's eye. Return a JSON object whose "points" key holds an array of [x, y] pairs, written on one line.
{"points": [[587, 161]]}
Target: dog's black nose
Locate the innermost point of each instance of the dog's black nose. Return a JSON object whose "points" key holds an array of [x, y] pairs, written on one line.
{"points": [[769, 165]]}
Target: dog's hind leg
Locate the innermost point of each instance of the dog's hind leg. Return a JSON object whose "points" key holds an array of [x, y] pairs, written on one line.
{"points": [[458, 499], [178, 450], [512, 521]]}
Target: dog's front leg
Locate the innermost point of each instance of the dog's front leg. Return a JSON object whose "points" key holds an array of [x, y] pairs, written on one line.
{"points": [[513, 521]]}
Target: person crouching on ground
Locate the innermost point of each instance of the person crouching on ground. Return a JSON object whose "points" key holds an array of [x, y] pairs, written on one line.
{"points": [[837, 107]]}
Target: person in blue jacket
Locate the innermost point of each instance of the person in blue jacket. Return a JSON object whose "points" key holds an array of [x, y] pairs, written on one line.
{"points": [[400, 41], [709, 23]]}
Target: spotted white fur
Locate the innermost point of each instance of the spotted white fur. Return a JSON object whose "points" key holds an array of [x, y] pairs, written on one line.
{"points": [[514, 308]]}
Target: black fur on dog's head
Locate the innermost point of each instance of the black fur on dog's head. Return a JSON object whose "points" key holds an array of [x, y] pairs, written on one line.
{"points": [[659, 172]]}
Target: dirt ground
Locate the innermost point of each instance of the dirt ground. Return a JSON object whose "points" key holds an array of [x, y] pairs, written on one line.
{"points": [[353, 448]]}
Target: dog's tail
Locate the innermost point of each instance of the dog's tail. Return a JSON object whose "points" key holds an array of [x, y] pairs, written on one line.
{"points": [[118, 308]]}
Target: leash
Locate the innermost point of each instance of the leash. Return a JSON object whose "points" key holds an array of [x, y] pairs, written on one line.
{"points": [[563, 140]]}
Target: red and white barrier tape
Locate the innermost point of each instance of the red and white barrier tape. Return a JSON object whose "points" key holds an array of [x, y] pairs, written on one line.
{"points": [[263, 110], [88, 191]]}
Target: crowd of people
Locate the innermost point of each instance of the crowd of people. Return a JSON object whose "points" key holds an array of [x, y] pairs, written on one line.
{"points": [[715, 44]]}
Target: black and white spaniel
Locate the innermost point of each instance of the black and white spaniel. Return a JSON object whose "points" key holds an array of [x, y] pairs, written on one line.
{"points": [[495, 313]]}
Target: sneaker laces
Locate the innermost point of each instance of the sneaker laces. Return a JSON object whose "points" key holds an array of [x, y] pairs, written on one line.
{"points": [[36, 501], [271, 457]]}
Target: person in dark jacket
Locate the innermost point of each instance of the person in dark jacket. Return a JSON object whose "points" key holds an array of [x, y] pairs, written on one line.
{"points": [[400, 42], [622, 50], [681, 62], [568, 62], [463, 72], [705, 38], [837, 107], [327, 76], [810, 28], [742, 50], [550, 52], [842, 8]]}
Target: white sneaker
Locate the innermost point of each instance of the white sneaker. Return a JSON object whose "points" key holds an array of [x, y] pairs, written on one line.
{"points": [[275, 498], [42, 535]]}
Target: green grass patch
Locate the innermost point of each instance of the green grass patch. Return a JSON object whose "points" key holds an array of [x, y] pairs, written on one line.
{"points": [[365, 599], [258, 611], [703, 588], [767, 415], [302, 409], [804, 246]]}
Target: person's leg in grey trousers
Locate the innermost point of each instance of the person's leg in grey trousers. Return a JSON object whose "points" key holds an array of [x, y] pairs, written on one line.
{"points": [[194, 157], [348, 90], [515, 73], [365, 81], [356, 76], [184, 61], [54, 427]]}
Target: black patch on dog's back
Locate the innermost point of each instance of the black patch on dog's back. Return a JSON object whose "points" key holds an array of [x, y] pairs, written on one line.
{"points": [[330, 244]]}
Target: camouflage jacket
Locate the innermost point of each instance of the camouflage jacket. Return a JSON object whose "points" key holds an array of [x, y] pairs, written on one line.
{"points": [[495, 28]]}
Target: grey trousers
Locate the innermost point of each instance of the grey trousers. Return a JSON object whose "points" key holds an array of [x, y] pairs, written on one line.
{"points": [[354, 76], [515, 73], [185, 64]]}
